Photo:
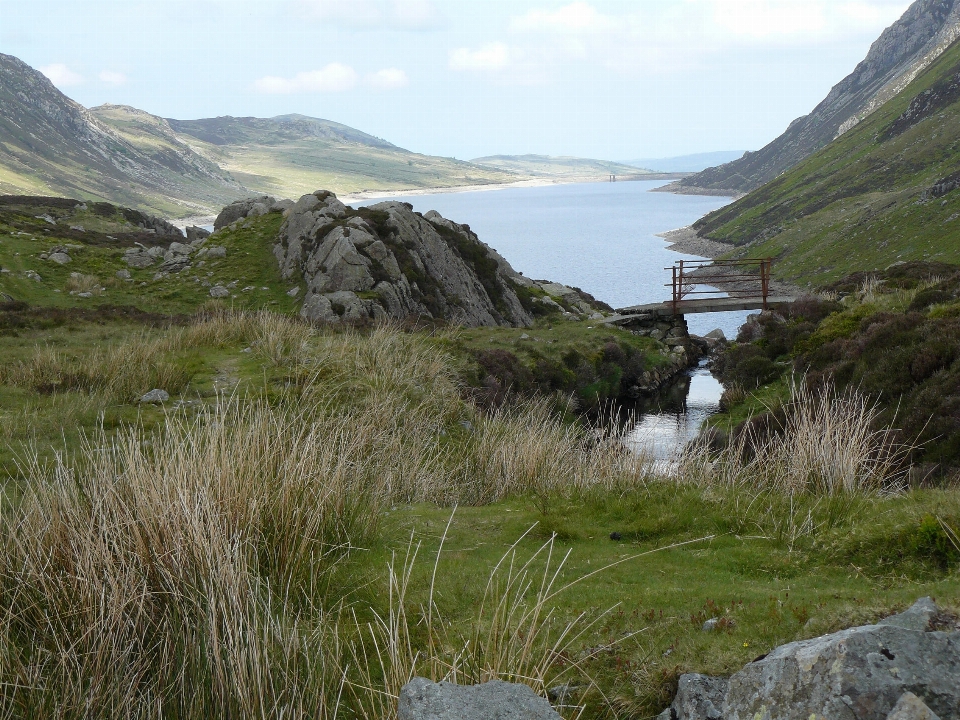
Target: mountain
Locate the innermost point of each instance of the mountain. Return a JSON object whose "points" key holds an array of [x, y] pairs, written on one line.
{"points": [[904, 50], [566, 168], [884, 192], [51, 145], [292, 155], [687, 163]]}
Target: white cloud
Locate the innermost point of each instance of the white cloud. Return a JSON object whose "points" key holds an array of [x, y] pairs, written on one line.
{"points": [[372, 14], [388, 79], [494, 56], [111, 77], [416, 14], [61, 76], [576, 17], [550, 42], [335, 77]]}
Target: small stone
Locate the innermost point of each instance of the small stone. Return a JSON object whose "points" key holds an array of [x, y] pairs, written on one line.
{"points": [[85, 294], [524, 336], [421, 699], [466, 425], [248, 288], [247, 350], [218, 291], [60, 258], [216, 251], [123, 274], [155, 396], [293, 292], [710, 625]]}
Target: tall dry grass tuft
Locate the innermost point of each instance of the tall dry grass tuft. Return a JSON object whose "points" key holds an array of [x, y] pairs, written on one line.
{"points": [[192, 571], [829, 444], [176, 570], [118, 373]]}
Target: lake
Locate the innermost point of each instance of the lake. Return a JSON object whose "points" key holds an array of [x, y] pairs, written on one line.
{"points": [[602, 238]]}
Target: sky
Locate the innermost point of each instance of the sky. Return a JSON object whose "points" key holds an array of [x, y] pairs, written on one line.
{"points": [[608, 79]]}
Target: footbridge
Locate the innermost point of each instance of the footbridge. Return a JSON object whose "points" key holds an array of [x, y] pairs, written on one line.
{"points": [[707, 286]]}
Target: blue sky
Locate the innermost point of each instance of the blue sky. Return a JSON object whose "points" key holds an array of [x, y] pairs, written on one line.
{"points": [[612, 79]]}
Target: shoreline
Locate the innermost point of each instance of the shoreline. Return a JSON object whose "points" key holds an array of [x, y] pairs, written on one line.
{"points": [[363, 195], [686, 242]]}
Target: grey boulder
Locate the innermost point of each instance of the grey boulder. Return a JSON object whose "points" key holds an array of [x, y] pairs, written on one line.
{"points": [[699, 697], [906, 667], [218, 291], [196, 233], [855, 674], [155, 396], [60, 258], [250, 207], [139, 260], [421, 699]]}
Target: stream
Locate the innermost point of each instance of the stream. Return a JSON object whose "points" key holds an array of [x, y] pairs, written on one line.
{"points": [[668, 422]]}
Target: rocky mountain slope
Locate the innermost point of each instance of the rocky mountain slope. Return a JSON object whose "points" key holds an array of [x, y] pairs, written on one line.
{"points": [[51, 145], [901, 53], [882, 193]]}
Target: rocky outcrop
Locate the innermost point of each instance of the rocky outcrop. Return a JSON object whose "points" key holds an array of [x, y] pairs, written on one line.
{"points": [[904, 50], [421, 699], [905, 666], [249, 207], [386, 261]]}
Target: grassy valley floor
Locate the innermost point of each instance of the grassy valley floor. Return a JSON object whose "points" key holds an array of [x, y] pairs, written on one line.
{"points": [[299, 489]]}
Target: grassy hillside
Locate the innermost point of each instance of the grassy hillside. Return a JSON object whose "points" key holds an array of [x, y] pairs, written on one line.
{"points": [[867, 200], [51, 145], [548, 166], [290, 156]]}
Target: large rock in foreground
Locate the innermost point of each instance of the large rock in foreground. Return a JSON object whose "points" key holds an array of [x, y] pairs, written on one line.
{"points": [[388, 261], [864, 673], [421, 699]]}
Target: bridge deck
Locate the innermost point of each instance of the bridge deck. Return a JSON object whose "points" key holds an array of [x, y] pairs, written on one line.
{"points": [[705, 305]]}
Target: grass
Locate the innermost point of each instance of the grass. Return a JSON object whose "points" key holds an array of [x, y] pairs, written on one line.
{"points": [[249, 270], [279, 541]]}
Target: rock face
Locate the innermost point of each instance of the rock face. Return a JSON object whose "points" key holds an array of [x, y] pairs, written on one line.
{"points": [[421, 699], [904, 49], [864, 673], [387, 261], [250, 207]]}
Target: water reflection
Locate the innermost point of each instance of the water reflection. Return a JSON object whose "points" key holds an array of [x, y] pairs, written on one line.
{"points": [[662, 431]]}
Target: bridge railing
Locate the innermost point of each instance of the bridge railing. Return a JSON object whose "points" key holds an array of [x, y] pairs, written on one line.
{"points": [[744, 279]]}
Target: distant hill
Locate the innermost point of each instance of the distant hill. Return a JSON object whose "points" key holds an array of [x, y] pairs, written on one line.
{"points": [[904, 49], [686, 163], [291, 155], [51, 145], [548, 166], [887, 191]]}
